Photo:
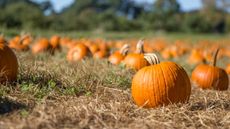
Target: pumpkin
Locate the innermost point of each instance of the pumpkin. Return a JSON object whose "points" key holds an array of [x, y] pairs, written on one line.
{"points": [[160, 84], [78, 52], [136, 60], [20, 43], [40, 46], [196, 57], [93, 48], [210, 76], [55, 42], [100, 54], [228, 69], [8, 64], [119, 56]]}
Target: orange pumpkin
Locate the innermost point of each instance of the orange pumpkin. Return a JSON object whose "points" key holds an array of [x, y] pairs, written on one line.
{"points": [[100, 54], [8, 64], [196, 57], [228, 69], [119, 56], [55, 42], [93, 48], [160, 84], [20, 43], [210, 77], [136, 60], [40, 46], [78, 52]]}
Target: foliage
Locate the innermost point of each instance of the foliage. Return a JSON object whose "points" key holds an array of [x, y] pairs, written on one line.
{"points": [[114, 15]]}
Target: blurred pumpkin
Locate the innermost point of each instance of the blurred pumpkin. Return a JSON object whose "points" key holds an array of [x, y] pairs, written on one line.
{"points": [[40, 46], [20, 43], [100, 54], [196, 57], [55, 43], [78, 52], [136, 60], [228, 69], [118, 56], [210, 77]]}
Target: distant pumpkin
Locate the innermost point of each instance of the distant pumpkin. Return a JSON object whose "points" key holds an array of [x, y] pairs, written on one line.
{"points": [[210, 76], [136, 60], [78, 52], [118, 56], [100, 54], [160, 84], [20, 43], [40, 46]]}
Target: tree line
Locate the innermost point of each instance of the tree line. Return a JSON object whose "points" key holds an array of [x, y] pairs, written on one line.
{"points": [[116, 15]]}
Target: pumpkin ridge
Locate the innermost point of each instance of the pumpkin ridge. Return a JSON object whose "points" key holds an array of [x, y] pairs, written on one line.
{"points": [[173, 78], [165, 82], [155, 84], [187, 91]]}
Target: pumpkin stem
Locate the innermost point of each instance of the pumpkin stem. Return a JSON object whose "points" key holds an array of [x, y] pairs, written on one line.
{"points": [[152, 58], [215, 56], [124, 50], [23, 38], [140, 47]]}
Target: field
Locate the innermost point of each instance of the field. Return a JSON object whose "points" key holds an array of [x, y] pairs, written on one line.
{"points": [[52, 93]]}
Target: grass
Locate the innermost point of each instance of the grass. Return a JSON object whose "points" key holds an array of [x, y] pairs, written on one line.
{"points": [[118, 35], [52, 93]]}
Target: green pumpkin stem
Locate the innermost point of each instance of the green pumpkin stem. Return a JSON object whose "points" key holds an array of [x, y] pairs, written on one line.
{"points": [[215, 56], [152, 58]]}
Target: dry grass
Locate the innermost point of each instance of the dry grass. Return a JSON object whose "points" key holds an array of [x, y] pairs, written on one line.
{"points": [[51, 93]]}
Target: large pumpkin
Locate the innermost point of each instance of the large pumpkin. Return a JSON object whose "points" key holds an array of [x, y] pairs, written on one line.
{"points": [[8, 64], [160, 84], [136, 60], [210, 76], [119, 56]]}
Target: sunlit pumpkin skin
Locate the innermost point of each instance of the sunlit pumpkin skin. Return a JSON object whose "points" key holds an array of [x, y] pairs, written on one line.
{"points": [[78, 52], [100, 54], [55, 42], [21, 43], [65, 42], [93, 48], [136, 60], [210, 77], [40, 46], [195, 57], [228, 69], [8, 64], [166, 54], [2, 39], [118, 56], [160, 84]]}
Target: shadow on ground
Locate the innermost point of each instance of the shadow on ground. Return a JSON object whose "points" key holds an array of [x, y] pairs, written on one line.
{"points": [[225, 105], [7, 106]]}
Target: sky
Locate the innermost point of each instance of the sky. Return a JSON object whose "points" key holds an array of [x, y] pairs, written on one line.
{"points": [[186, 5]]}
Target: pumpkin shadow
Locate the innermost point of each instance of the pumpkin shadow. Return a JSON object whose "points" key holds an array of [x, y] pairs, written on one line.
{"points": [[7, 106], [210, 105]]}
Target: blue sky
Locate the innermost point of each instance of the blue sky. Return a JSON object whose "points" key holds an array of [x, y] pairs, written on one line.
{"points": [[186, 5]]}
